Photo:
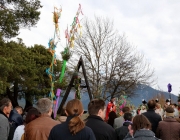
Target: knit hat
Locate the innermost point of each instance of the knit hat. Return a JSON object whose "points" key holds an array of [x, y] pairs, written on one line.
{"points": [[157, 100], [169, 112], [144, 101], [168, 100]]}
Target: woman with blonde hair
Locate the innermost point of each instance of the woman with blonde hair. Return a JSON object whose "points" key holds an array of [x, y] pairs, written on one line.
{"points": [[74, 128], [140, 129], [159, 110]]}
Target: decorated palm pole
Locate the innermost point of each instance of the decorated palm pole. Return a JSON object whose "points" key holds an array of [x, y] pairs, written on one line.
{"points": [[66, 54], [169, 90], [52, 46], [50, 70], [70, 38]]}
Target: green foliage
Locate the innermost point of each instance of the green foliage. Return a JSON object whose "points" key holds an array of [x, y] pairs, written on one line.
{"points": [[22, 70], [16, 14], [66, 54], [77, 82], [120, 100]]}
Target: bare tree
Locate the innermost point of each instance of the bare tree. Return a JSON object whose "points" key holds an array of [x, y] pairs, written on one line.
{"points": [[113, 66]]}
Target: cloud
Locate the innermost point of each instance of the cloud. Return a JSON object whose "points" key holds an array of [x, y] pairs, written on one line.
{"points": [[152, 26]]}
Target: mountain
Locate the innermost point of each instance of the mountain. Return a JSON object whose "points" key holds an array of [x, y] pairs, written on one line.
{"points": [[147, 93], [142, 92]]}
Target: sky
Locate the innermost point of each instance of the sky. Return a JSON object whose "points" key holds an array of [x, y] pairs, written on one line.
{"points": [[150, 25]]}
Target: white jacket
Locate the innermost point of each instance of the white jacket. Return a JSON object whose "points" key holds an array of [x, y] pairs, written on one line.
{"points": [[18, 132]]}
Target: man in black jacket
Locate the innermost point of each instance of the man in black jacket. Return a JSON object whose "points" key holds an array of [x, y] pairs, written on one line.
{"points": [[153, 117], [123, 130], [15, 116], [15, 120], [95, 120]]}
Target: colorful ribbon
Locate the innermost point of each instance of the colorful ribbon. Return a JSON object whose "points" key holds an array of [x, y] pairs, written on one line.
{"points": [[70, 38], [52, 47], [57, 102]]}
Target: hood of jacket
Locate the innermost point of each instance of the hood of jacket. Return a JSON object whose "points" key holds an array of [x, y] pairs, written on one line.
{"points": [[144, 133]]}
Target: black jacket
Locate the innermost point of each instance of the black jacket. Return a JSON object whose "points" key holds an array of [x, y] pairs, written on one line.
{"points": [[61, 132], [15, 118], [102, 130], [154, 118], [122, 131]]}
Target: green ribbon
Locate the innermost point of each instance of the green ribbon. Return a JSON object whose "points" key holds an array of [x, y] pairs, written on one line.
{"points": [[63, 71]]}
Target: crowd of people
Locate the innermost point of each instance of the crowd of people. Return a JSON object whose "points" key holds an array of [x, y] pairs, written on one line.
{"points": [[151, 122]]}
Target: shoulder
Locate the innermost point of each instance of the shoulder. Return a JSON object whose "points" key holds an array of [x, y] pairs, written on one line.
{"points": [[119, 118], [58, 127], [118, 129], [3, 119], [20, 127], [55, 122], [87, 133], [86, 128], [109, 103], [108, 127]]}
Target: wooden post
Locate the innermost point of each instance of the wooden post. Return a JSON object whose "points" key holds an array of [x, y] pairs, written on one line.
{"points": [[80, 63]]}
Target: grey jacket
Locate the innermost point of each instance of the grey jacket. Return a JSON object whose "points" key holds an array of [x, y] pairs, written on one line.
{"points": [[142, 134], [118, 122], [4, 127]]}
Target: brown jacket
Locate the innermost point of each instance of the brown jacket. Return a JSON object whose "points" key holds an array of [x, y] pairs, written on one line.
{"points": [[168, 129], [39, 128]]}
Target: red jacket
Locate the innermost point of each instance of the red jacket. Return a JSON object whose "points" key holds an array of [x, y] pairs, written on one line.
{"points": [[110, 107]]}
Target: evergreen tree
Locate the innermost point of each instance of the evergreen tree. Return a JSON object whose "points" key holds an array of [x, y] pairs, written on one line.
{"points": [[16, 14], [22, 71]]}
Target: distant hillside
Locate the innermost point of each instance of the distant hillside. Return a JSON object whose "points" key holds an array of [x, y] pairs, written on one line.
{"points": [[142, 92], [147, 93]]}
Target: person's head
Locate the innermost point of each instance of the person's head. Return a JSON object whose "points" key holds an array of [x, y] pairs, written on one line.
{"points": [[128, 117], [144, 101], [140, 122], [158, 106], [178, 102], [74, 109], [31, 115], [157, 100], [143, 107], [19, 109], [151, 104], [126, 109], [113, 99], [97, 107], [174, 105], [6, 106], [169, 111], [168, 101], [112, 115], [44, 105], [63, 113]]}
